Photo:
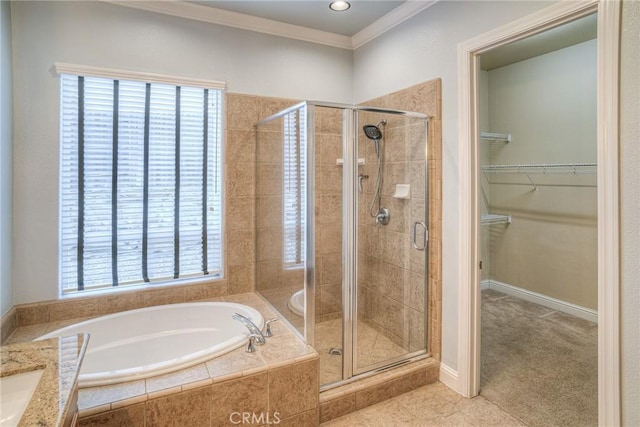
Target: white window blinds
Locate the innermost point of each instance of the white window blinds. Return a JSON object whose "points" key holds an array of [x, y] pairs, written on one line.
{"points": [[294, 209], [141, 182]]}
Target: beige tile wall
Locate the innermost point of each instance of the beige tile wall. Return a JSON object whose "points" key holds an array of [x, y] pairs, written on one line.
{"points": [[289, 392], [392, 286], [271, 276], [328, 210]]}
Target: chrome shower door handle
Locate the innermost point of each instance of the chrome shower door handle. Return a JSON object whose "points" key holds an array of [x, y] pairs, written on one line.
{"points": [[425, 236]]}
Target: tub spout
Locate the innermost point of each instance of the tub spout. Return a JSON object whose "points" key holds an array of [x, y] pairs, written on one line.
{"points": [[259, 337]]}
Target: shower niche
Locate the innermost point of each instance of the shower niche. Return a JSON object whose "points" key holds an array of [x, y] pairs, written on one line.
{"points": [[341, 235]]}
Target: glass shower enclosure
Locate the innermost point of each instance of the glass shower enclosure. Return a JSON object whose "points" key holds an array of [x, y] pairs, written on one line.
{"points": [[341, 235]]}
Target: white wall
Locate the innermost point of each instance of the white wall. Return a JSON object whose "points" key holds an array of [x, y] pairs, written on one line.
{"points": [[101, 34], [548, 105], [6, 170], [630, 208], [424, 48]]}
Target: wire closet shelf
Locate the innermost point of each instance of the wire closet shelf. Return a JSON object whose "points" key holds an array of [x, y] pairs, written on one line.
{"points": [[542, 168], [575, 168]]}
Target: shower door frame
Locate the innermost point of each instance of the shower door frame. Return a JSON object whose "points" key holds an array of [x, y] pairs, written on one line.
{"points": [[350, 237]]}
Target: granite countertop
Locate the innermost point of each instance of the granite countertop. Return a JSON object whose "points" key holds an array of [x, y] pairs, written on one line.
{"points": [[60, 358]]}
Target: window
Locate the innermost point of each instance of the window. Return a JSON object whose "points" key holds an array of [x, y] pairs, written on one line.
{"points": [[141, 182], [294, 199]]}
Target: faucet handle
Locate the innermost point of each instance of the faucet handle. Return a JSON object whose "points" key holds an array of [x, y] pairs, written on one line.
{"points": [[267, 324], [252, 341]]}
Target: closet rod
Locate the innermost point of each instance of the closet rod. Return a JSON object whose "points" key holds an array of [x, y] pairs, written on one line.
{"points": [[542, 168]]}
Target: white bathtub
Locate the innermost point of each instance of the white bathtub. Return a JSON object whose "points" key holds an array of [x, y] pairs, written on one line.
{"points": [[296, 303], [152, 341]]}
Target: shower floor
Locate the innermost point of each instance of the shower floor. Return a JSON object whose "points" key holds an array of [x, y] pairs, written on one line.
{"points": [[372, 346]]}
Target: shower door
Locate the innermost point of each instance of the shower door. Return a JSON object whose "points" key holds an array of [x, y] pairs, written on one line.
{"points": [[341, 236], [389, 308]]}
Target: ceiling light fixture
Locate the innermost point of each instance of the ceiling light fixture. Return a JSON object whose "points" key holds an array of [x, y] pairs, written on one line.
{"points": [[339, 6]]}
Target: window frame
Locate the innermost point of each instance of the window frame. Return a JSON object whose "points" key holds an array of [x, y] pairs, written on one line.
{"points": [[219, 139]]}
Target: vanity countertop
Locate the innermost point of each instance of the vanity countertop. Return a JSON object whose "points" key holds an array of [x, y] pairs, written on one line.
{"points": [[60, 358]]}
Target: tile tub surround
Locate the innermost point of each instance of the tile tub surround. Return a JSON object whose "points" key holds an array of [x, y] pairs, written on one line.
{"points": [[54, 400], [360, 394], [287, 389], [192, 396]]}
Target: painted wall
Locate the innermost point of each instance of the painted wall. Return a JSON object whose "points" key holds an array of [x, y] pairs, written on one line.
{"points": [[423, 48], [630, 204], [6, 154], [548, 105], [101, 34]]}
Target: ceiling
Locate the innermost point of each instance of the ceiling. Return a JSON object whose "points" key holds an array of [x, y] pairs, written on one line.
{"points": [[312, 13], [569, 34]]}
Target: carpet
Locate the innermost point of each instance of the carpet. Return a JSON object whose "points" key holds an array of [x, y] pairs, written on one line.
{"points": [[537, 364]]}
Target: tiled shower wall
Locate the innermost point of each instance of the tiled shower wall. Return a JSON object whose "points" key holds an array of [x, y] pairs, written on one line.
{"points": [[254, 182], [270, 272], [328, 199], [272, 279], [391, 291]]}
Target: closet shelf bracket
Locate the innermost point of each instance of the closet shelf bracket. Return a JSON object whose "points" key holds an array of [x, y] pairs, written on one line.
{"points": [[491, 219], [495, 137]]}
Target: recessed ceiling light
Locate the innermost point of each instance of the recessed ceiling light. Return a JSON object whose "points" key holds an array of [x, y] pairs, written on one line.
{"points": [[339, 5]]}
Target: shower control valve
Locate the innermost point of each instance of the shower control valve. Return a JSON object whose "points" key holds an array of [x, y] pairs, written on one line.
{"points": [[383, 217]]}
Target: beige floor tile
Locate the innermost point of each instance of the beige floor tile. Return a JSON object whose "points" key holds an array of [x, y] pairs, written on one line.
{"points": [[433, 405]]}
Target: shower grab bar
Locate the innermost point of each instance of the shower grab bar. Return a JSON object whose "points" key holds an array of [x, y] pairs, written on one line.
{"points": [[425, 235]]}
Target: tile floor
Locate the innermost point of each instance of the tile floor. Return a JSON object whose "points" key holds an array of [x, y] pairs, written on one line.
{"points": [[432, 405]]}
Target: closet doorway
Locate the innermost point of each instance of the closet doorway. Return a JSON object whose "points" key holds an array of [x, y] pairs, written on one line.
{"points": [[467, 378], [538, 226]]}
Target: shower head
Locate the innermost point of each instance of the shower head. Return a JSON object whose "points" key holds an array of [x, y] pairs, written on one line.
{"points": [[372, 132]]}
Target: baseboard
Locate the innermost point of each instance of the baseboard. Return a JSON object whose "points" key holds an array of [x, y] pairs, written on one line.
{"points": [[543, 300], [449, 377]]}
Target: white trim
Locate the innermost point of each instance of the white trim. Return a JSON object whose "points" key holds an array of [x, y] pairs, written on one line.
{"points": [[609, 412], [388, 21], [608, 188], [227, 18], [112, 73], [449, 377], [540, 299]]}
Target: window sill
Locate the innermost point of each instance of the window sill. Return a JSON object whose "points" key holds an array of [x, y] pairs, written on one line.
{"points": [[143, 287]]}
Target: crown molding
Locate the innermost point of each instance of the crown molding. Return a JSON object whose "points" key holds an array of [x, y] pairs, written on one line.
{"points": [[390, 20], [227, 18]]}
